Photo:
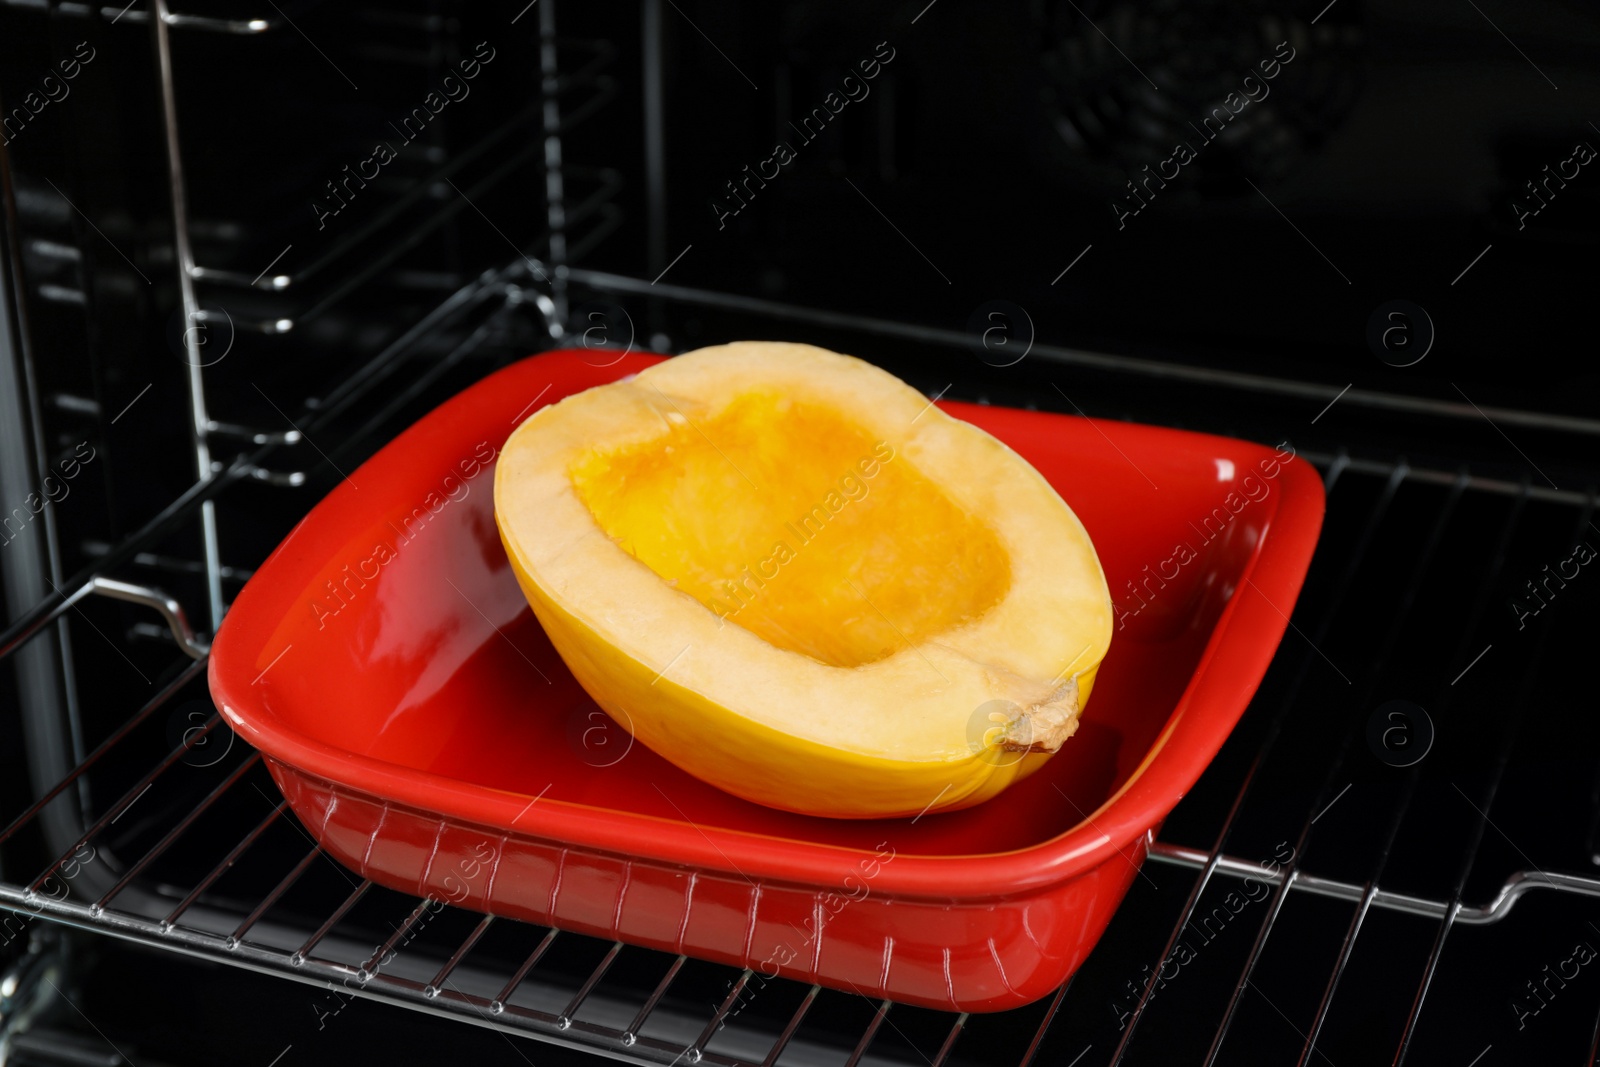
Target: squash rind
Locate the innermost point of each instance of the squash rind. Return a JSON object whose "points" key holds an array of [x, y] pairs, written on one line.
{"points": [[886, 738]]}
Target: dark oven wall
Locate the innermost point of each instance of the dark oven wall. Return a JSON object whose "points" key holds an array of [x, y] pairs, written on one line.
{"points": [[1241, 184]]}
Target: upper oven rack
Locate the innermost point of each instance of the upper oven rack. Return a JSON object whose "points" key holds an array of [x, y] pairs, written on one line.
{"points": [[246, 928]]}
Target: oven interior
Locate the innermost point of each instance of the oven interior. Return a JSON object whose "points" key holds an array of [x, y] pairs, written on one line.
{"points": [[246, 244]]}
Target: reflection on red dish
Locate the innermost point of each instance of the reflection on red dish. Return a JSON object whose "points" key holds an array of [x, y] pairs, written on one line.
{"points": [[411, 709]]}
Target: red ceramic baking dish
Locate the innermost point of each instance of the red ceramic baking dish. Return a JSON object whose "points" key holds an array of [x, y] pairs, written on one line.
{"points": [[419, 723]]}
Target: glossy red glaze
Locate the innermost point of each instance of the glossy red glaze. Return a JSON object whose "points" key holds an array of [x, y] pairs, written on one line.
{"points": [[411, 709]]}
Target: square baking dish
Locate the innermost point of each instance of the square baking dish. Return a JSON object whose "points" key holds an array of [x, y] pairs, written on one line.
{"points": [[407, 703]]}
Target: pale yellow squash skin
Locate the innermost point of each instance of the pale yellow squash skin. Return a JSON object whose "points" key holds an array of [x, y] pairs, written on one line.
{"points": [[890, 735], [754, 761]]}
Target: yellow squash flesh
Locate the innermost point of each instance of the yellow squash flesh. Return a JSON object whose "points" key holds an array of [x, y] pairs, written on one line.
{"points": [[789, 574]]}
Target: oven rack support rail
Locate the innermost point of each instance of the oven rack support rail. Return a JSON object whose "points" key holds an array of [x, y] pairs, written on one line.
{"points": [[555, 116], [1143, 367], [575, 86], [481, 298]]}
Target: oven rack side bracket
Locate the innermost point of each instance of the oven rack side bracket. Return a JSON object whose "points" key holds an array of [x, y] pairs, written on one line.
{"points": [[1515, 887], [170, 609]]}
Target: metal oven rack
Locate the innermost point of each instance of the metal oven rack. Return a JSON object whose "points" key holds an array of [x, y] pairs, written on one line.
{"points": [[182, 875]]}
